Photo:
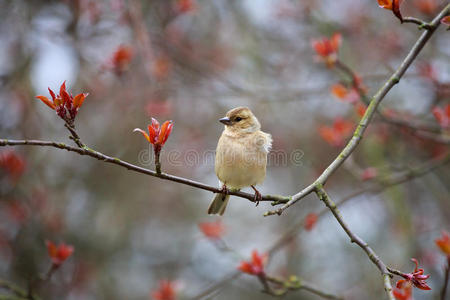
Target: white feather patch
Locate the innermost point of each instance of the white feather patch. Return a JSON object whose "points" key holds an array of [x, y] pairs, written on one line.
{"points": [[268, 144]]}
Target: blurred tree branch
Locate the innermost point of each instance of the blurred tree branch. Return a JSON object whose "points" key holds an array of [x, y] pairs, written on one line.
{"points": [[17, 291], [294, 283], [446, 277]]}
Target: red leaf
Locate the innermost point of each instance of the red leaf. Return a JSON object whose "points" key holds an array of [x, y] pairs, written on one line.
{"points": [[212, 230], [339, 90], [255, 266], [446, 20], [164, 134], [444, 242], [52, 94], [310, 221], [59, 253], [396, 9], [46, 101], [393, 5], [166, 291], [143, 133], [79, 99]]}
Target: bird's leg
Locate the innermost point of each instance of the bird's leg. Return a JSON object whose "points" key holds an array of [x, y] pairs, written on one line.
{"points": [[258, 196], [224, 190]]}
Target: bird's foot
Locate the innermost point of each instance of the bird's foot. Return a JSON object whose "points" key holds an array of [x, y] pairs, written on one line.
{"points": [[224, 190], [257, 197]]}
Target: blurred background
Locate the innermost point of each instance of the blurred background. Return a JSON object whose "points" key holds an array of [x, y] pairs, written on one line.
{"points": [[190, 61]]}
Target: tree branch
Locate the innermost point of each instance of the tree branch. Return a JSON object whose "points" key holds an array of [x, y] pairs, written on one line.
{"points": [[422, 24], [370, 111], [17, 291], [74, 135], [420, 130], [116, 161], [446, 276], [376, 187], [294, 284], [323, 196]]}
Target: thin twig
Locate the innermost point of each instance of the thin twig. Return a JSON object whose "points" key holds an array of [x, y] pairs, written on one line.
{"points": [[377, 187], [370, 111], [323, 196], [11, 297], [384, 116], [116, 161], [422, 24], [19, 292], [216, 286], [374, 188], [295, 283], [74, 136], [446, 276]]}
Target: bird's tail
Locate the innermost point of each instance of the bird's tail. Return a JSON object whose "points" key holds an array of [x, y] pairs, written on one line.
{"points": [[218, 204]]}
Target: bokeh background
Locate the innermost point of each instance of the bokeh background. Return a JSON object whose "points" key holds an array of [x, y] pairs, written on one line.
{"points": [[190, 62]]}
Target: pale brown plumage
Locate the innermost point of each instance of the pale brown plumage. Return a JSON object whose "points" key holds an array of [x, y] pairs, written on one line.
{"points": [[241, 155]]}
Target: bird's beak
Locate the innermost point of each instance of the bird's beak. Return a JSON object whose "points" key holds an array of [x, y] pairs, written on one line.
{"points": [[225, 121]]}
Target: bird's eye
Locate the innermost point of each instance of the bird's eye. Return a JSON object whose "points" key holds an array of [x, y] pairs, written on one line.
{"points": [[238, 119]]}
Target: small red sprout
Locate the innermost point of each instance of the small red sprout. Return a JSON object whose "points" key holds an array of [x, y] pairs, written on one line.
{"points": [[310, 221], [369, 173], [121, 59], [444, 243], [426, 70], [327, 49], [65, 105], [360, 109], [60, 253], [166, 291], [427, 7], [336, 134], [344, 94], [446, 21], [12, 163], [417, 278], [212, 230], [403, 290], [442, 115], [255, 266], [157, 136], [393, 5], [184, 6]]}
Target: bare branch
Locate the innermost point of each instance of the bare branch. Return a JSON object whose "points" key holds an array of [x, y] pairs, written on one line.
{"points": [[446, 277], [323, 196], [376, 187], [18, 292], [365, 120], [422, 24], [295, 283], [116, 161]]}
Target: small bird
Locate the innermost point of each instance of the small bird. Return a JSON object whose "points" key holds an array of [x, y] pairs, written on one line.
{"points": [[241, 156]]}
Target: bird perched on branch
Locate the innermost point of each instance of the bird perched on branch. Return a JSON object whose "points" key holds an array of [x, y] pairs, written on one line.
{"points": [[241, 156]]}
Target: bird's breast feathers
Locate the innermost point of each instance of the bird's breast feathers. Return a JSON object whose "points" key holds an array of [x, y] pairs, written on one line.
{"points": [[241, 159]]}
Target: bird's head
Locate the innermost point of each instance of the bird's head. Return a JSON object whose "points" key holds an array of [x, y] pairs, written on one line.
{"points": [[241, 119]]}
